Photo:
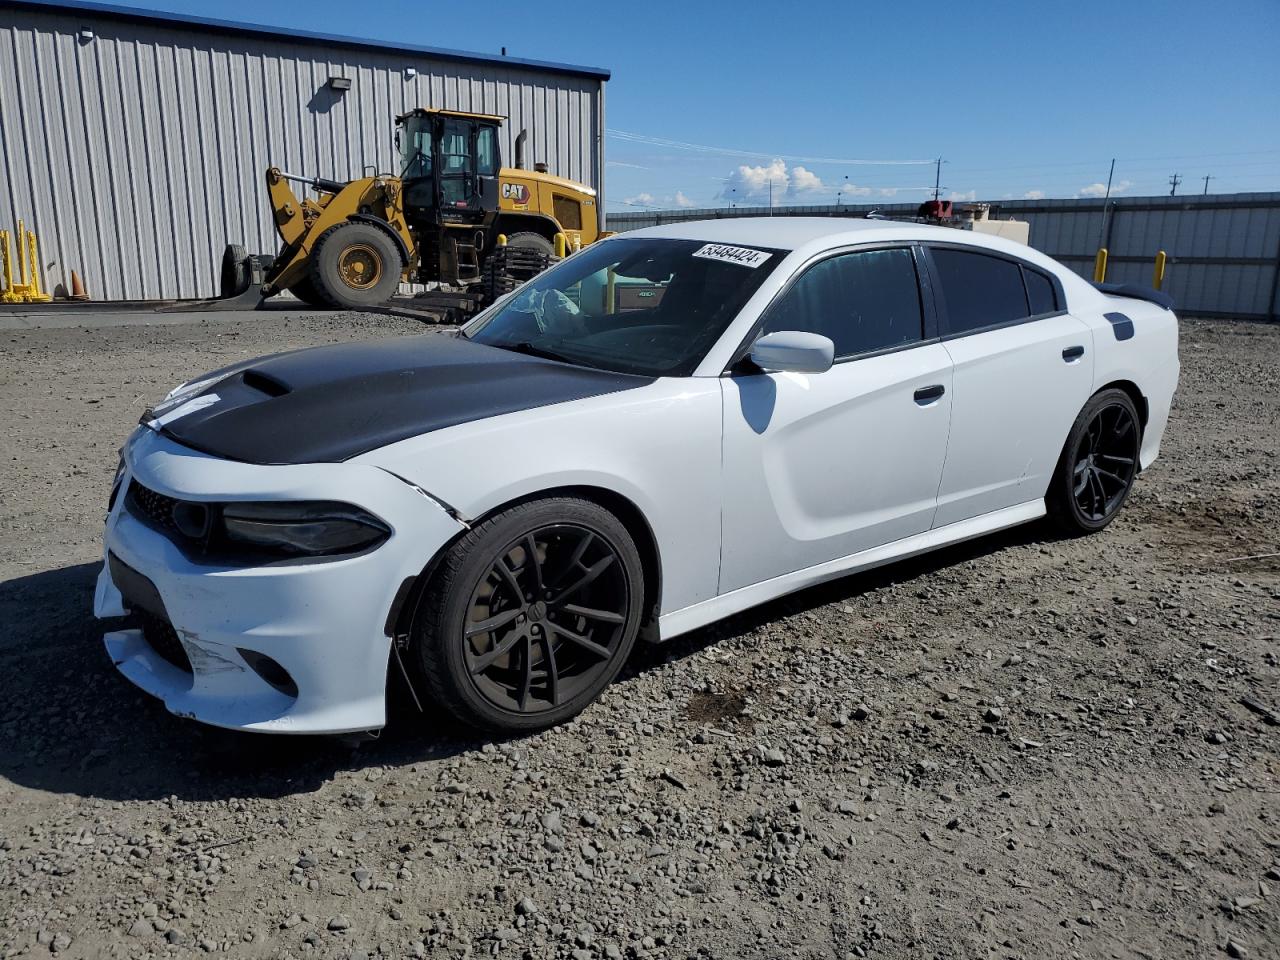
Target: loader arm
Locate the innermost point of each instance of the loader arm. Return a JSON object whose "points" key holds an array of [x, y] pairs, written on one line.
{"points": [[301, 223]]}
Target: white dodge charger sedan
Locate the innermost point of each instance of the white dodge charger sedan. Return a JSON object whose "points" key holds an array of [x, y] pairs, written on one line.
{"points": [[670, 426]]}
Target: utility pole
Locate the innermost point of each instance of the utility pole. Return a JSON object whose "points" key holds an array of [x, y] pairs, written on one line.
{"points": [[1207, 178], [1102, 234], [771, 196], [937, 178], [1173, 184]]}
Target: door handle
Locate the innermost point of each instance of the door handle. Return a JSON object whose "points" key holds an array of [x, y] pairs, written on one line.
{"points": [[1072, 354], [927, 395]]}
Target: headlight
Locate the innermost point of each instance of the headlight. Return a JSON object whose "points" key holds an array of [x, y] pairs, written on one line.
{"points": [[302, 528]]}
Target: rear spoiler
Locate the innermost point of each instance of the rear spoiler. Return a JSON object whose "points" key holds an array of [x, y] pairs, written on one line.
{"points": [[1135, 292]]}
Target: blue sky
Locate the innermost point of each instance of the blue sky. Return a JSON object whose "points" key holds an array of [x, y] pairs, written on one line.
{"points": [[710, 102]]}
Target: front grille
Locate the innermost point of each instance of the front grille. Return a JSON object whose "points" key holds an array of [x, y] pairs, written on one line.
{"points": [[163, 639], [152, 508]]}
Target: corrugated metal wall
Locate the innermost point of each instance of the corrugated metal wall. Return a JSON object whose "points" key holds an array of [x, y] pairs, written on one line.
{"points": [[137, 155], [1224, 250]]}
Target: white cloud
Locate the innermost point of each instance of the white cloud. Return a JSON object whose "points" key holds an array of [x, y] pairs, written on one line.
{"points": [[967, 197], [682, 200], [1033, 195], [888, 191], [853, 190], [640, 200], [804, 180], [1100, 189], [749, 183]]}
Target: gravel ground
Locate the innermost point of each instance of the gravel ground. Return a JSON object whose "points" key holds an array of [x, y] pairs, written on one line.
{"points": [[1022, 747]]}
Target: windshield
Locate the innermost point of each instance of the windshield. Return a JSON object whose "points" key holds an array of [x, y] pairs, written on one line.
{"points": [[649, 306], [415, 147]]}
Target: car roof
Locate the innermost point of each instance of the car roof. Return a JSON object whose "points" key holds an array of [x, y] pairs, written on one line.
{"points": [[795, 233]]}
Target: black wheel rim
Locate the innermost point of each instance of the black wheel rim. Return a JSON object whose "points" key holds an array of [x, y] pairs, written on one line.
{"points": [[546, 618], [1106, 460]]}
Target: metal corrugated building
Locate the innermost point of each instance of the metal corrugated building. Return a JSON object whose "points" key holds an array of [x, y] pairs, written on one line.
{"points": [[135, 143]]}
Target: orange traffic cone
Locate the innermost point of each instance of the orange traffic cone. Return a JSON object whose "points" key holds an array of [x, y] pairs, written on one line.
{"points": [[78, 291]]}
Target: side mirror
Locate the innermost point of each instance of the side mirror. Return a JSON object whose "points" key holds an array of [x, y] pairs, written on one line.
{"points": [[793, 351]]}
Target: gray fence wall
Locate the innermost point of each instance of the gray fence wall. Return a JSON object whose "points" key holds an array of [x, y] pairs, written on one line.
{"points": [[1224, 250], [137, 150]]}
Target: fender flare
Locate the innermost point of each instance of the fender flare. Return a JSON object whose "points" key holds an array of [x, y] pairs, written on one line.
{"points": [[386, 226], [538, 223]]}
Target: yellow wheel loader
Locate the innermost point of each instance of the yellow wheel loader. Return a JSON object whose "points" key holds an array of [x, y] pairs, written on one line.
{"points": [[454, 218]]}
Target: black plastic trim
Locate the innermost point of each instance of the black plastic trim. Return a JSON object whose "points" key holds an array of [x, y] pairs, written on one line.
{"points": [[138, 592], [1121, 325]]}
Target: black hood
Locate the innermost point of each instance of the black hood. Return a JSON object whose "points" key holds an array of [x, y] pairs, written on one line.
{"points": [[328, 404]]}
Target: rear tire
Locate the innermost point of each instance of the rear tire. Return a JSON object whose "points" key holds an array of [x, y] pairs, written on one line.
{"points": [[235, 276], [532, 241], [355, 265], [530, 615], [1098, 465]]}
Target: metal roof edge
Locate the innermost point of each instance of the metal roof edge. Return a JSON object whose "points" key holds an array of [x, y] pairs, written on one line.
{"points": [[212, 25]]}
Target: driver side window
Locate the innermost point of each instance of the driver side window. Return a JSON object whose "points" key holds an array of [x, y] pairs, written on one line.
{"points": [[863, 301]]}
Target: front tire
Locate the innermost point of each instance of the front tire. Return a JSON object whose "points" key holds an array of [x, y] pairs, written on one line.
{"points": [[1098, 465], [355, 265], [530, 615]]}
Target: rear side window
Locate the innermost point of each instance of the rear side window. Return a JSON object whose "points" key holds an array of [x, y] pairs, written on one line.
{"points": [[1040, 292], [863, 301], [978, 290]]}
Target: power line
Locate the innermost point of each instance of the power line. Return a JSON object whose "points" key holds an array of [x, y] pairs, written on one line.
{"points": [[753, 154]]}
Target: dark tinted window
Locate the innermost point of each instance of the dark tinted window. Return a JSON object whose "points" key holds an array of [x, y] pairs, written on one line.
{"points": [[862, 301], [486, 152], [1040, 292], [979, 291]]}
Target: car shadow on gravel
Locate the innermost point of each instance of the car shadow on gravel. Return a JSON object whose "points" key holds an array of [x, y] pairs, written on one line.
{"points": [[69, 724]]}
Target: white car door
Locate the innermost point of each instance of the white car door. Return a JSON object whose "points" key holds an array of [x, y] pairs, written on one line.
{"points": [[1023, 371], [822, 466]]}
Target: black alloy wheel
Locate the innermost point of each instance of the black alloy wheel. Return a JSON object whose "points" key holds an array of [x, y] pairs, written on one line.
{"points": [[547, 618], [1098, 465], [531, 615]]}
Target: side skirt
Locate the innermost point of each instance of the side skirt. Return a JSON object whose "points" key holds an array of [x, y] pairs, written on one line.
{"points": [[708, 611]]}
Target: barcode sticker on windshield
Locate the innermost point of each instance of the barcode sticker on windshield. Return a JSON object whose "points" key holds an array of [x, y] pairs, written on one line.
{"points": [[742, 256]]}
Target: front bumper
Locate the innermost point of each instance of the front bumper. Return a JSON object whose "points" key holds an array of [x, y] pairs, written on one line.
{"points": [[323, 621]]}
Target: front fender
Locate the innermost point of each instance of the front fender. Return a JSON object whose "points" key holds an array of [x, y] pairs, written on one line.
{"points": [[657, 446]]}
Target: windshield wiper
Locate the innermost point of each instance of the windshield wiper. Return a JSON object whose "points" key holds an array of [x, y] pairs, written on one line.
{"points": [[528, 348]]}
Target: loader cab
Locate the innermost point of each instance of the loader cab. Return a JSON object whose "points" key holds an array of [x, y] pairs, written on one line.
{"points": [[450, 162]]}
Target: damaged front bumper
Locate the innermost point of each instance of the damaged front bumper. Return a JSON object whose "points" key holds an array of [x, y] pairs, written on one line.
{"points": [[297, 646]]}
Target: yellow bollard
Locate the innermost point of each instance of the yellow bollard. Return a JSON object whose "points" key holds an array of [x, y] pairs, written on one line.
{"points": [[22, 258], [8, 295], [27, 288], [502, 239], [562, 243], [1157, 279], [1100, 266]]}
